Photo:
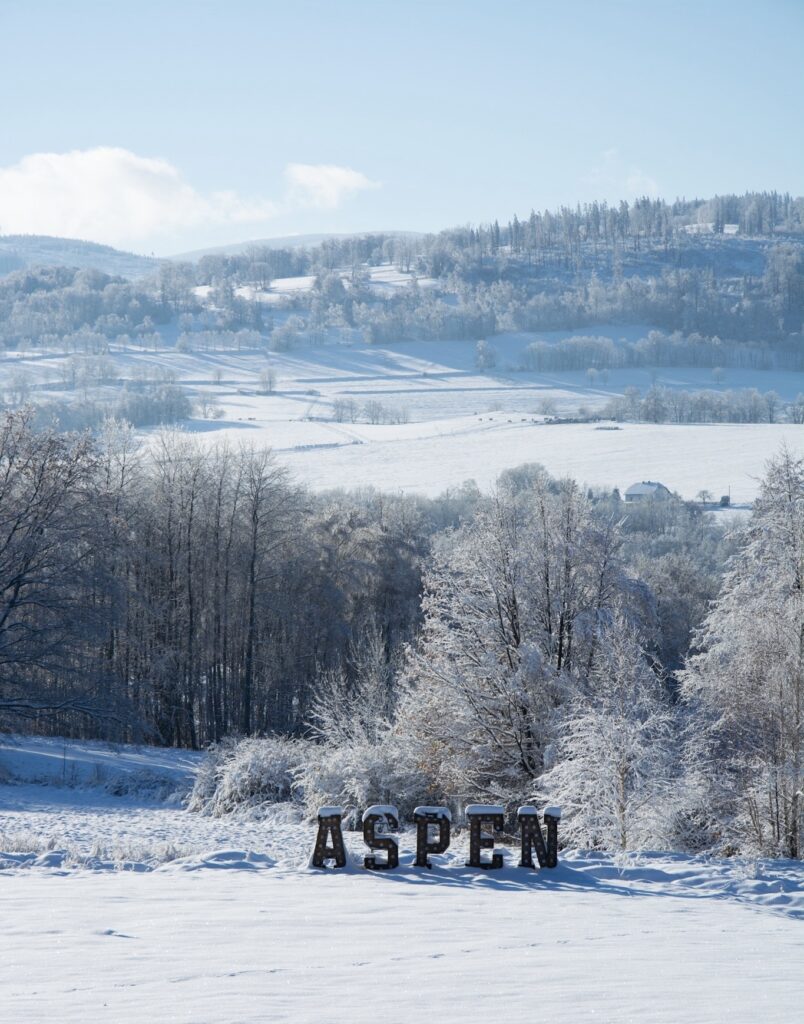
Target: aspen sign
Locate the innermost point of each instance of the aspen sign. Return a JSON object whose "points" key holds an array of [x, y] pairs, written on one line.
{"points": [[433, 828]]}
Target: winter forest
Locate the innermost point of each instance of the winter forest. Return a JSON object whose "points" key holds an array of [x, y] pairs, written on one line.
{"points": [[640, 665]]}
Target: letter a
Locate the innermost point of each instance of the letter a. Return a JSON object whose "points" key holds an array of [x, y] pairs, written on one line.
{"points": [[329, 824]]}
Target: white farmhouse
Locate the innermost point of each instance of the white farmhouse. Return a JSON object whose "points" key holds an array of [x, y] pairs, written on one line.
{"points": [[645, 490]]}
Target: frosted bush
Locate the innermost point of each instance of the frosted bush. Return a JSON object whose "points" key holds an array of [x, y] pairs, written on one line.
{"points": [[356, 775], [245, 774]]}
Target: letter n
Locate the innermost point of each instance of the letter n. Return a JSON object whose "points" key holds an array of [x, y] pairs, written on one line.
{"points": [[532, 837]]}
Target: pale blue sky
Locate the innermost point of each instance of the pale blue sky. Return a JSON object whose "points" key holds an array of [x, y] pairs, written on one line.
{"points": [[444, 112]]}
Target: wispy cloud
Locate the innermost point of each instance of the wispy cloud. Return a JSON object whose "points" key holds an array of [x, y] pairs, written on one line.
{"points": [[324, 185], [109, 194], [616, 178]]}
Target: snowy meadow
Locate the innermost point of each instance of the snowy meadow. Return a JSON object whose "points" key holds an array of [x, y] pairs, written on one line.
{"points": [[184, 914], [421, 417]]}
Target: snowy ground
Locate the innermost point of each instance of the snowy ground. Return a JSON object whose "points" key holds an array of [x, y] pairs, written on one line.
{"points": [[40, 760], [454, 422], [384, 280], [119, 909], [687, 459]]}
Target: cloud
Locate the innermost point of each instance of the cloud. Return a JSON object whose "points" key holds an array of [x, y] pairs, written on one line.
{"points": [[615, 178], [112, 195], [324, 185]]}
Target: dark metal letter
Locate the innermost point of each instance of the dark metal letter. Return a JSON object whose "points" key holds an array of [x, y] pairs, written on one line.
{"points": [[329, 824], [383, 818], [427, 818], [479, 815], [552, 816], [532, 837]]}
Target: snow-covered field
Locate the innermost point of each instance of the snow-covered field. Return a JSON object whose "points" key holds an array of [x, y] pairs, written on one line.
{"points": [[687, 459], [120, 909], [448, 421], [384, 280]]}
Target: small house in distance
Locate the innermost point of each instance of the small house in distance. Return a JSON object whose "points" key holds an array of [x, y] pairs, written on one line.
{"points": [[645, 490]]}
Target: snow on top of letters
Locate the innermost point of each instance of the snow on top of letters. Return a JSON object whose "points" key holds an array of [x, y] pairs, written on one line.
{"points": [[385, 809], [441, 812], [529, 811], [484, 809]]}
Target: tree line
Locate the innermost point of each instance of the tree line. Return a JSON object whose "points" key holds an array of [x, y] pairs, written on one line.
{"points": [[636, 667], [675, 405], [178, 593], [636, 664], [553, 270]]}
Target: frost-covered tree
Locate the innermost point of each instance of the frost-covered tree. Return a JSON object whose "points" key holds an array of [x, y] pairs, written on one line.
{"points": [[362, 758], [616, 757], [745, 684], [485, 355], [355, 707], [513, 602]]}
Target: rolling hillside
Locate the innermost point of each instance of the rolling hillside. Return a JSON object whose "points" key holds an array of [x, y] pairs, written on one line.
{"points": [[19, 252]]}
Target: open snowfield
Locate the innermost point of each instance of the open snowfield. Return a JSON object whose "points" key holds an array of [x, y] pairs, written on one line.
{"points": [[124, 909], [449, 421], [384, 280], [687, 459]]}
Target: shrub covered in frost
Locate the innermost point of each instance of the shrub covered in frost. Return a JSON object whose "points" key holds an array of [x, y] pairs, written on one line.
{"points": [[356, 775], [240, 774]]}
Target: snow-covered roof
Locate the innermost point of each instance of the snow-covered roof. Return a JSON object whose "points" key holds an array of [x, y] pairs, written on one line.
{"points": [[647, 488]]}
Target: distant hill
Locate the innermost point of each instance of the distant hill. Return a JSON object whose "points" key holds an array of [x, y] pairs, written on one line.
{"points": [[283, 242], [17, 252]]}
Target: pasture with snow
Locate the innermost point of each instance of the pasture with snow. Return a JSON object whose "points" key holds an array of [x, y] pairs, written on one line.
{"points": [[118, 902], [328, 572], [421, 417]]}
